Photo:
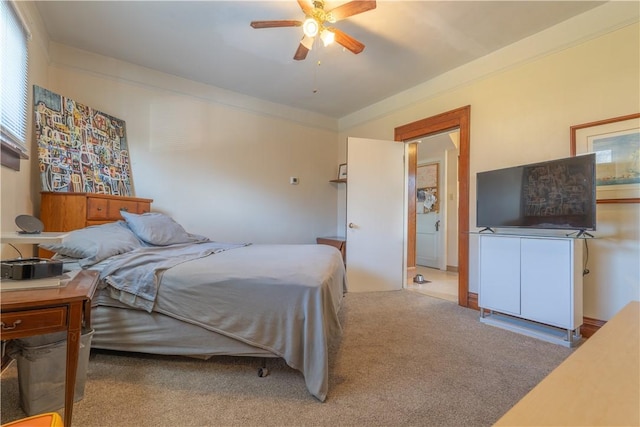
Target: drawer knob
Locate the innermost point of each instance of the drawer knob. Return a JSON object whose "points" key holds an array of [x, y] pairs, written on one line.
{"points": [[10, 327], [99, 209], [124, 209]]}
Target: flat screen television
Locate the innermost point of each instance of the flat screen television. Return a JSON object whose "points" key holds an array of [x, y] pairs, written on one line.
{"points": [[556, 194]]}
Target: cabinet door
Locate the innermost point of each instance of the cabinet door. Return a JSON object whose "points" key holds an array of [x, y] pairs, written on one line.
{"points": [[500, 274], [427, 250], [546, 282]]}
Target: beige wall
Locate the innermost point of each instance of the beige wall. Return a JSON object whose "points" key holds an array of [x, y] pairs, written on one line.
{"points": [[521, 113]]}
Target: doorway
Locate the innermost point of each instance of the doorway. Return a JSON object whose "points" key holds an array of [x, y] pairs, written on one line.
{"points": [[437, 201], [436, 270], [459, 118]]}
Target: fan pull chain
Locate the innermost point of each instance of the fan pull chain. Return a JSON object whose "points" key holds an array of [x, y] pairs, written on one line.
{"points": [[315, 78]]}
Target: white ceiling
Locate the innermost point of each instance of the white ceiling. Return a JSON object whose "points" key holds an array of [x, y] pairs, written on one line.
{"points": [[407, 43]]}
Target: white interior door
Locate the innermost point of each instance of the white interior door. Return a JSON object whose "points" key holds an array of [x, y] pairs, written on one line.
{"points": [[375, 215], [428, 226]]}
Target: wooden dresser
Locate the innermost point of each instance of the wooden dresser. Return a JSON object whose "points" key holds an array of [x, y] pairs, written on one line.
{"points": [[71, 211]]}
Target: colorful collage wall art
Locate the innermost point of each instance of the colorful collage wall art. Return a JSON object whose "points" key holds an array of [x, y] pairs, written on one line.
{"points": [[80, 149]]}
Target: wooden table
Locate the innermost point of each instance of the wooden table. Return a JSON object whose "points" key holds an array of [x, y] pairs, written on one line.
{"points": [[25, 313], [598, 385]]}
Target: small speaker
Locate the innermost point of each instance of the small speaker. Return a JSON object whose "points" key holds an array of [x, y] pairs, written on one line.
{"points": [[29, 224]]}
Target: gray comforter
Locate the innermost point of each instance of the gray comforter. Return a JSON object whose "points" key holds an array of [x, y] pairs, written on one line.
{"points": [[281, 298]]}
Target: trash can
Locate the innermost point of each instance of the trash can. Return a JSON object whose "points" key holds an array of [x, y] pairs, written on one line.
{"points": [[42, 362]]}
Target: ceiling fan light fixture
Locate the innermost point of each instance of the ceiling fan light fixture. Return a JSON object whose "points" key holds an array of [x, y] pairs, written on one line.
{"points": [[307, 42], [327, 37], [310, 27], [315, 19]]}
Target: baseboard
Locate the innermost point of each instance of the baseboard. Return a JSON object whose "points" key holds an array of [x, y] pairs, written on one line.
{"points": [[590, 326], [472, 301], [452, 268]]}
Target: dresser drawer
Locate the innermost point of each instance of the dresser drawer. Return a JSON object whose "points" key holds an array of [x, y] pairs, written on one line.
{"points": [[97, 209], [33, 322], [95, 222], [115, 206], [144, 207]]}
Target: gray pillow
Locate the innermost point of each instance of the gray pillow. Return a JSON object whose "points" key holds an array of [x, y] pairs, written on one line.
{"points": [[159, 229], [93, 244]]}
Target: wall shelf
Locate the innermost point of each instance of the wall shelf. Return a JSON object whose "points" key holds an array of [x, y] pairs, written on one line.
{"points": [[339, 180]]}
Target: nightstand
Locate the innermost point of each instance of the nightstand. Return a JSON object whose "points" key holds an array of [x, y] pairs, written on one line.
{"points": [[25, 313], [336, 242], [11, 237]]}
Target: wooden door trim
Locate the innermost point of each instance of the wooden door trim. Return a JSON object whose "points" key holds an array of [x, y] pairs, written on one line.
{"points": [[459, 118]]}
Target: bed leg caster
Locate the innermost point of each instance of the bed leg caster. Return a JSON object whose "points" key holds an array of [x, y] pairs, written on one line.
{"points": [[263, 371]]}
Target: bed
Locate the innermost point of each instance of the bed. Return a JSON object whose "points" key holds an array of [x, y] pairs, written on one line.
{"points": [[166, 291]]}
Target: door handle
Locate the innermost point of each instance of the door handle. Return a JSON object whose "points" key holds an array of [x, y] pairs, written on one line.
{"points": [[438, 225], [352, 225]]}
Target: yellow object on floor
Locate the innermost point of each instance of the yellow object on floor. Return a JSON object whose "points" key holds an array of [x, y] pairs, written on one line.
{"points": [[50, 419]]}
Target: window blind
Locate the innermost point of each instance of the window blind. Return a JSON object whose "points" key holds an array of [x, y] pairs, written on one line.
{"points": [[13, 79]]}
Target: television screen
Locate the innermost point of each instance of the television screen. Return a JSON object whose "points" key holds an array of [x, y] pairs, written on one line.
{"points": [[557, 194]]}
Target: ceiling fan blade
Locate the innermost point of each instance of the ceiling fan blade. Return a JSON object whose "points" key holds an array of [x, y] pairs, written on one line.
{"points": [[301, 53], [305, 6], [352, 8], [303, 48], [275, 24], [348, 42]]}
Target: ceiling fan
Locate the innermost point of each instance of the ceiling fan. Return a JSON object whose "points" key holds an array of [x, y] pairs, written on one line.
{"points": [[316, 22]]}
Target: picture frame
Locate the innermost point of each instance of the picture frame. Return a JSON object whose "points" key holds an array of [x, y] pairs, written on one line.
{"points": [[80, 149], [616, 142], [342, 171], [427, 184]]}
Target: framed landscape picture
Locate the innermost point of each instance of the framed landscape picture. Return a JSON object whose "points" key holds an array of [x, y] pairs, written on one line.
{"points": [[616, 142]]}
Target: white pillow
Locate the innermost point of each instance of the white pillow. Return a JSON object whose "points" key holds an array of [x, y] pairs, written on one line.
{"points": [[159, 229], [93, 244]]}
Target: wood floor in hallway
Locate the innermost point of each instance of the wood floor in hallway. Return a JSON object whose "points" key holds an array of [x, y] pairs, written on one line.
{"points": [[439, 284]]}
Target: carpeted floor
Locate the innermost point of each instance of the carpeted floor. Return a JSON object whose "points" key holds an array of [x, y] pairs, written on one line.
{"points": [[405, 359]]}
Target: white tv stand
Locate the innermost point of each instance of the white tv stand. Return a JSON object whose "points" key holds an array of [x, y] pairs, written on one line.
{"points": [[532, 284]]}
